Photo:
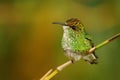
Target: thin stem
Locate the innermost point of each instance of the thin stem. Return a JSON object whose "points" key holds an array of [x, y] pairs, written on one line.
{"points": [[108, 41], [51, 74], [46, 74], [58, 69], [104, 43]]}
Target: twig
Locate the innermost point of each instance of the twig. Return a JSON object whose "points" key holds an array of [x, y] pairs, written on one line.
{"points": [[48, 76], [104, 43], [43, 78], [58, 69]]}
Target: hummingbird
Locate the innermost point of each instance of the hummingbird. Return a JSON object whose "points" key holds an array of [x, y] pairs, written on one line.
{"points": [[76, 42]]}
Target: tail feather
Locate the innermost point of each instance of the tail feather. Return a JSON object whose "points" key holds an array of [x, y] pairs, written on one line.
{"points": [[92, 58]]}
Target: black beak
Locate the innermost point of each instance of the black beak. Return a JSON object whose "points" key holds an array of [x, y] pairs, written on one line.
{"points": [[60, 23]]}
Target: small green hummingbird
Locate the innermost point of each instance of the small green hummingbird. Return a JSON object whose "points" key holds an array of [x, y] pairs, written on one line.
{"points": [[76, 42]]}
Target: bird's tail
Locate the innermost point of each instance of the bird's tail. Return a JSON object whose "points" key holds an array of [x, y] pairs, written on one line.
{"points": [[92, 58]]}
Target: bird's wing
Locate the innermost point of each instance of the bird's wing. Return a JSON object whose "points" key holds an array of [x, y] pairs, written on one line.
{"points": [[88, 37]]}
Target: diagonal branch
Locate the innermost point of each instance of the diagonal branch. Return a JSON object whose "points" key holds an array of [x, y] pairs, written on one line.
{"points": [[104, 43], [51, 74], [43, 78], [58, 69]]}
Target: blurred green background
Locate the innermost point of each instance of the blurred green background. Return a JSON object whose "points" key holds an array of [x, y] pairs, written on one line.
{"points": [[30, 44]]}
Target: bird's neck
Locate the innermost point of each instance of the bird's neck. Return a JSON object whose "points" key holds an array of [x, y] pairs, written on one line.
{"points": [[79, 30], [69, 33]]}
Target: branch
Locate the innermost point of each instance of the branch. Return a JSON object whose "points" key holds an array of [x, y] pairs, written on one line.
{"points": [[104, 43], [51, 74], [58, 69], [46, 74]]}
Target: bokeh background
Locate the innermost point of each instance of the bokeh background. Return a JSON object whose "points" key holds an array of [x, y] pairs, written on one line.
{"points": [[30, 44]]}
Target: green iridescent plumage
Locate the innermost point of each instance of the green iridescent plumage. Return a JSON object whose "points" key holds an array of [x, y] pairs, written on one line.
{"points": [[76, 42]]}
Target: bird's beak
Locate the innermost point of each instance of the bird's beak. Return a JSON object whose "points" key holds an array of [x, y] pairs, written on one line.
{"points": [[60, 23]]}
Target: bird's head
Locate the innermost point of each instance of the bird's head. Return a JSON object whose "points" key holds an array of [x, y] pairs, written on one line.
{"points": [[72, 23]]}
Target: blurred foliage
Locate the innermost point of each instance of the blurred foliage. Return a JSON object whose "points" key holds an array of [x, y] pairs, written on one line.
{"points": [[91, 3], [30, 44]]}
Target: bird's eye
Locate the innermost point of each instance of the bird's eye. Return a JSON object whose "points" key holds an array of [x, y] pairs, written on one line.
{"points": [[73, 27]]}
